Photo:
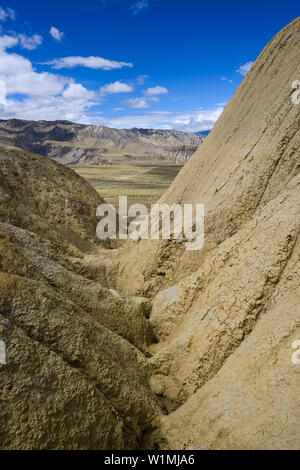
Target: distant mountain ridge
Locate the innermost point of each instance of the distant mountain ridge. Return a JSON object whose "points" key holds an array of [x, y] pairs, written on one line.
{"points": [[71, 143]]}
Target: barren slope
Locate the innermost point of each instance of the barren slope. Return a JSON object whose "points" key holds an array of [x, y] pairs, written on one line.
{"points": [[76, 375]]}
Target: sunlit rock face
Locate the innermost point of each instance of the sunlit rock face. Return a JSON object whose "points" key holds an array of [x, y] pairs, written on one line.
{"points": [[225, 317]]}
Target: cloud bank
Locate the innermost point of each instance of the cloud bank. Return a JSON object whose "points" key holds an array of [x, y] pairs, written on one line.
{"points": [[92, 62], [158, 90]]}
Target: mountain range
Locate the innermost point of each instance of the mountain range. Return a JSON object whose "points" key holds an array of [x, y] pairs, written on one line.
{"points": [[71, 143]]}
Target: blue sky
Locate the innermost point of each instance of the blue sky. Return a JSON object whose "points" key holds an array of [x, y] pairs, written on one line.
{"points": [[131, 63]]}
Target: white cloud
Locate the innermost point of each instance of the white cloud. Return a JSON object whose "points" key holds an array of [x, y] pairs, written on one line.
{"points": [[198, 120], [26, 42], [244, 69], [190, 121], [19, 77], [226, 80], [56, 34], [139, 6], [161, 113], [116, 87], [7, 13], [6, 42], [137, 103], [89, 62], [47, 108], [141, 79], [45, 95], [30, 43], [158, 90], [75, 91]]}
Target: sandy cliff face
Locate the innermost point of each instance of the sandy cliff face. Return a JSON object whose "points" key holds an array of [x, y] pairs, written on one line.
{"points": [[225, 317], [76, 375]]}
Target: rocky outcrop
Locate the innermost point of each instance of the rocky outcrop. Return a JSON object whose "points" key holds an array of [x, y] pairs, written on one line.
{"points": [[71, 143], [76, 375]]}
